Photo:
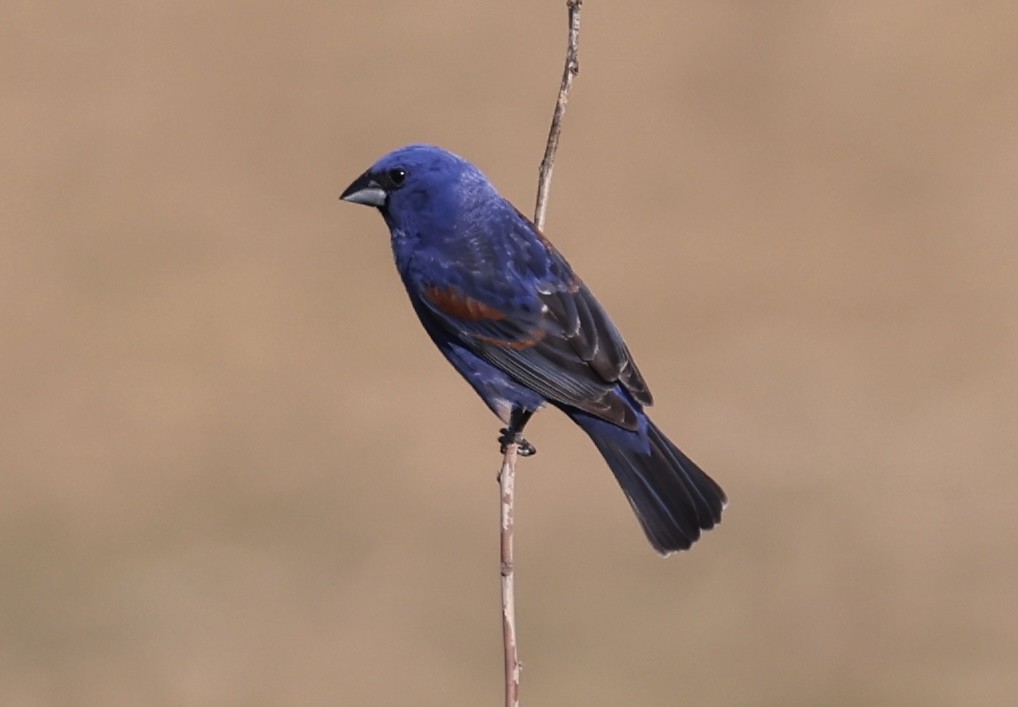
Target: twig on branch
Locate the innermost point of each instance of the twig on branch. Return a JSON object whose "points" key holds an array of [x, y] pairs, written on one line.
{"points": [[507, 474], [572, 68]]}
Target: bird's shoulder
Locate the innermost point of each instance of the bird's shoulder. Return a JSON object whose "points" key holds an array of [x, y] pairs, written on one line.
{"points": [[494, 255]]}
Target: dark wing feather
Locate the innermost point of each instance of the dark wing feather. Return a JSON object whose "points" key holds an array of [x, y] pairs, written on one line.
{"points": [[596, 340]]}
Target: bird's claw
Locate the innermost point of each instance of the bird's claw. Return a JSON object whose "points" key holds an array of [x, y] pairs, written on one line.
{"points": [[525, 448]]}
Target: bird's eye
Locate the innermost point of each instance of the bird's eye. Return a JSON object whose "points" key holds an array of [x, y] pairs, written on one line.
{"points": [[397, 176]]}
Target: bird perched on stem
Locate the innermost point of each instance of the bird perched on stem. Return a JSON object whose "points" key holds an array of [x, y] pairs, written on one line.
{"points": [[509, 313]]}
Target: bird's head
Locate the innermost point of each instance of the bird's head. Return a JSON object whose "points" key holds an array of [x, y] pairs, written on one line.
{"points": [[419, 186]]}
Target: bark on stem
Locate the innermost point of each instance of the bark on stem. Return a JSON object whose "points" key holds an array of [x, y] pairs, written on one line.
{"points": [[507, 474]]}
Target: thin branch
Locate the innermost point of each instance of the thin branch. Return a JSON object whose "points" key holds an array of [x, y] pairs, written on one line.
{"points": [[507, 483], [572, 68], [507, 474]]}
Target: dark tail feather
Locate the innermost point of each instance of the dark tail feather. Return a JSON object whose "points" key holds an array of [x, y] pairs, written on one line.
{"points": [[672, 497]]}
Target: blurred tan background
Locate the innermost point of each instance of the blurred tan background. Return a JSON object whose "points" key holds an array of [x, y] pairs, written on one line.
{"points": [[235, 471]]}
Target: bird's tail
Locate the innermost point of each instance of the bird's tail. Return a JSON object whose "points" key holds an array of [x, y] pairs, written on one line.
{"points": [[672, 497]]}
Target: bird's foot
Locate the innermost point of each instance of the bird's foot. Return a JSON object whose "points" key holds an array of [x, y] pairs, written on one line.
{"points": [[526, 449]]}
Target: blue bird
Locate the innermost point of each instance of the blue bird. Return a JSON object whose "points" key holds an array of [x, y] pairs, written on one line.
{"points": [[508, 312]]}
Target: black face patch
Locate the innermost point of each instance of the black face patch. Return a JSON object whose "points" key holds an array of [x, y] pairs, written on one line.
{"points": [[392, 179]]}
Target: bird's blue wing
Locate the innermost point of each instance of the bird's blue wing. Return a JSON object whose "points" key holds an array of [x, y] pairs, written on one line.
{"points": [[526, 312]]}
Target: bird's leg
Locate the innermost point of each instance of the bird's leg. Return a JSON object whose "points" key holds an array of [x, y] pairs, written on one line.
{"points": [[513, 434]]}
